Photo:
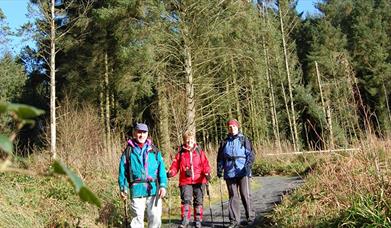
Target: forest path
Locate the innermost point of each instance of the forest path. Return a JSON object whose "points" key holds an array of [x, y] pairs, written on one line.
{"points": [[268, 192]]}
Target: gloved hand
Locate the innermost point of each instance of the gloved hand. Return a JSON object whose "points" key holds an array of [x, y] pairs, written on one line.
{"points": [[248, 170], [219, 174], [207, 176], [123, 195]]}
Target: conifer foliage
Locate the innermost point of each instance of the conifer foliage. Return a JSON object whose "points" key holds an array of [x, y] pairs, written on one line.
{"points": [[315, 82]]}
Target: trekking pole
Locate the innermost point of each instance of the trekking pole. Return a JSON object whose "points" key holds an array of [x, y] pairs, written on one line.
{"points": [[126, 214], [169, 204], [221, 201], [210, 208]]}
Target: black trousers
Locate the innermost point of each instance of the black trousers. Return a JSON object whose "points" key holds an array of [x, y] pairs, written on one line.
{"points": [[239, 187], [192, 194]]}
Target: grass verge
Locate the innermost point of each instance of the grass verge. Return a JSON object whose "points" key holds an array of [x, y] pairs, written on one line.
{"points": [[348, 190]]}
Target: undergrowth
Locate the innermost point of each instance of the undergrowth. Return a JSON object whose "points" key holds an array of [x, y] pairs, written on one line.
{"points": [[297, 165], [349, 190]]}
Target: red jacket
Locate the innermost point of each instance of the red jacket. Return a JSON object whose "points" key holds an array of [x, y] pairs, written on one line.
{"points": [[199, 166]]}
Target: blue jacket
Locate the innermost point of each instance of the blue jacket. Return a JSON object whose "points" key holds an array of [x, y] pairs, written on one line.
{"points": [[235, 157], [147, 167]]}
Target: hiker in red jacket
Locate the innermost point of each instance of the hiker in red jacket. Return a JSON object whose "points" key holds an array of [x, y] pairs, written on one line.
{"points": [[194, 173]]}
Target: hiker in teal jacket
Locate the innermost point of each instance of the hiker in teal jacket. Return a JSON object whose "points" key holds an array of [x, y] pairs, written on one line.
{"points": [[147, 178]]}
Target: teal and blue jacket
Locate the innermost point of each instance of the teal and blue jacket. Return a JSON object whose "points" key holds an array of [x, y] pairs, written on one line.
{"points": [[147, 168]]}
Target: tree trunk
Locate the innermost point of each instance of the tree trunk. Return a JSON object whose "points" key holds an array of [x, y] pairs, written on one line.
{"points": [[53, 83], [236, 91], [227, 91], [322, 99], [320, 88], [190, 113], [107, 106], [217, 133], [295, 142], [330, 126], [273, 110], [287, 112], [273, 113], [252, 114], [102, 112], [164, 129], [276, 127]]}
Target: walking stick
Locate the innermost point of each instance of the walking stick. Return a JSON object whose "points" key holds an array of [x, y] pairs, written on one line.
{"points": [[169, 204], [210, 208], [221, 201], [126, 214], [169, 194]]}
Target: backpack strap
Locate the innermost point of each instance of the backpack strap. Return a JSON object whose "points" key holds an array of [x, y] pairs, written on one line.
{"points": [[198, 150], [180, 151], [242, 140], [224, 143], [155, 150], [128, 168]]}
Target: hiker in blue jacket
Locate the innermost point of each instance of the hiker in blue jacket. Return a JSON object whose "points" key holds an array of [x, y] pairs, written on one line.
{"points": [[142, 176], [235, 158]]}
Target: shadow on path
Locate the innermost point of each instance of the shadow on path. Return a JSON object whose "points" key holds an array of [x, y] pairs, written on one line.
{"points": [[264, 198], [271, 191]]}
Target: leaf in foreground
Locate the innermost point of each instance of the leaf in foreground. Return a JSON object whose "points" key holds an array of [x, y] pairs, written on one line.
{"points": [[6, 144], [84, 193], [25, 111]]}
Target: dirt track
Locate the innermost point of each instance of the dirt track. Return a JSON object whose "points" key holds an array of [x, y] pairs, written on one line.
{"points": [[264, 198]]}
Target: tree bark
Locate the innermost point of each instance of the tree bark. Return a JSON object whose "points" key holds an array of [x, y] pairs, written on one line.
{"points": [[295, 142], [330, 126], [190, 113], [53, 123], [107, 105], [322, 98], [163, 117]]}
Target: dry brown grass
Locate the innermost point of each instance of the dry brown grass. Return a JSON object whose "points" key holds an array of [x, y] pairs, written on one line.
{"points": [[80, 141], [338, 181]]}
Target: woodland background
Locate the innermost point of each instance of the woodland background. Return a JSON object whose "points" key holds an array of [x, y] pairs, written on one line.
{"points": [[295, 84], [314, 83]]}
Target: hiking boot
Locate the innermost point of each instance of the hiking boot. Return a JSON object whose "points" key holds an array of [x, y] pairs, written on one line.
{"points": [[233, 225], [184, 223], [198, 224], [247, 222]]}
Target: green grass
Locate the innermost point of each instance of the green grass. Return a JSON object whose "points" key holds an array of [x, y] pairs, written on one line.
{"points": [[366, 211], [42, 201], [39, 201], [289, 166]]}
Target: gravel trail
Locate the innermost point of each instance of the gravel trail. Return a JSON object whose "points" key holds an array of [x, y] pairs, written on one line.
{"points": [[269, 192], [265, 196]]}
